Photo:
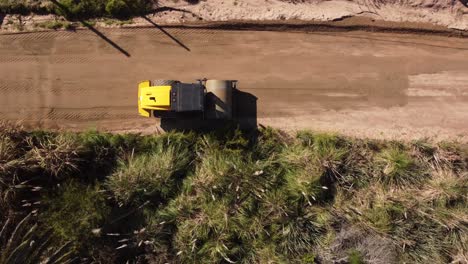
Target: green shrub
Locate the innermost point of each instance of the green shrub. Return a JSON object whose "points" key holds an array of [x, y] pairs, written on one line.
{"points": [[266, 253], [304, 175], [355, 257], [329, 150], [103, 149], [383, 214], [312, 164], [225, 173], [150, 176], [217, 169], [295, 236], [399, 168], [142, 6], [73, 211], [79, 9], [207, 236], [118, 8], [73, 9], [18, 6], [232, 202], [150, 143], [98, 8], [56, 25], [228, 196]]}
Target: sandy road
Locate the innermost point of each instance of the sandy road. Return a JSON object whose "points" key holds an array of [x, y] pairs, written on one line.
{"points": [[357, 83]]}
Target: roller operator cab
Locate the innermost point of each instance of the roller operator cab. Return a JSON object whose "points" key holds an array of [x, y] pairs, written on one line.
{"points": [[212, 99]]}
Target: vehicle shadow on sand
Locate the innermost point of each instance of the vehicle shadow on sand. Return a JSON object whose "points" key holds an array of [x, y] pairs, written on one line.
{"points": [[244, 117]]}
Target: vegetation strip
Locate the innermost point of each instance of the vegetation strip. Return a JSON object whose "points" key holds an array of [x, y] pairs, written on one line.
{"points": [[230, 197], [121, 12], [78, 9]]}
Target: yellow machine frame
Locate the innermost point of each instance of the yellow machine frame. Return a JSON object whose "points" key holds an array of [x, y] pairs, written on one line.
{"points": [[153, 98]]}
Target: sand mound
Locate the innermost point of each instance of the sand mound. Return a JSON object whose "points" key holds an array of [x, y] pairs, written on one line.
{"points": [[447, 13]]}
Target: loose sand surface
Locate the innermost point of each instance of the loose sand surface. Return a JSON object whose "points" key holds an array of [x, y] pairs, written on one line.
{"points": [[381, 85]]}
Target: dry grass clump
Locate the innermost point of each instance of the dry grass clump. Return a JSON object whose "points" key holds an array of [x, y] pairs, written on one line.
{"points": [[7, 149], [354, 243], [12, 142], [398, 167], [22, 243], [225, 173], [426, 222], [451, 155], [8, 167], [153, 175], [445, 188], [57, 155]]}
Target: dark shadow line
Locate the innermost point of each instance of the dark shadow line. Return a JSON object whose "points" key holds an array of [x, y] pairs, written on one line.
{"points": [[464, 2], [387, 40], [112, 43], [165, 32], [167, 8], [321, 27], [93, 29]]}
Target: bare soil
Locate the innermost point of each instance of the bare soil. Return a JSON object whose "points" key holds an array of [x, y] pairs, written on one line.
{"points": [[379, 85]]}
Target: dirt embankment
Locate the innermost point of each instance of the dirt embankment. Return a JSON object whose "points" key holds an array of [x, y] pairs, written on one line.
{"points": [[446, 13], [414, 14]]}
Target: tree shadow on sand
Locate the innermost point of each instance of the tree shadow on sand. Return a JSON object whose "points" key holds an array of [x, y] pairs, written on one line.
{"points": [[93, 29], [166, 33]]}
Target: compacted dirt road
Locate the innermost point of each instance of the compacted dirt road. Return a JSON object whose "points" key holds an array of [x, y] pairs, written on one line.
{"points": [[358, 83]]}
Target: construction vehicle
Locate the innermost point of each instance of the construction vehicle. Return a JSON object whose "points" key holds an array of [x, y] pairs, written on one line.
{"points": [[206, 99]]}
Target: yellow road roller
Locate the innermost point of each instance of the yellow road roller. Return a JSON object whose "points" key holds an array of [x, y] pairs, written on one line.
{"points": [[211, 99]]}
